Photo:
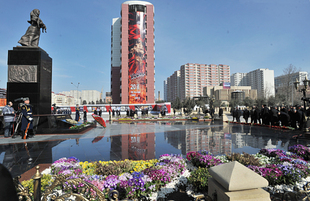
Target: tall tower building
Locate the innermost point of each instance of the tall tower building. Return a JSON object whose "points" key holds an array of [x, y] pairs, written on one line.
{"points": [[132, 54]]}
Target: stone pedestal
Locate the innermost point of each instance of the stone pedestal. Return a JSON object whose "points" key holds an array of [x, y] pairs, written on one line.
{"points": [[30, 75], [233, 181]]}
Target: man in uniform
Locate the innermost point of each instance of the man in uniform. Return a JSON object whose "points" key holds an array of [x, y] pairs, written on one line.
{"points": [[27, 119]]}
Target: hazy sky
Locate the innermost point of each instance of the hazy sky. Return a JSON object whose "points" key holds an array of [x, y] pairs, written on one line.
{"points": [[245, 34]]}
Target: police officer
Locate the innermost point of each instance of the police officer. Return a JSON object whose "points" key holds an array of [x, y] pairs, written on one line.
{"points": [[27, 119]]}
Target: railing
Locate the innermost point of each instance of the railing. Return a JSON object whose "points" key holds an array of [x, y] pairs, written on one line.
{"points": [[82, 193]]}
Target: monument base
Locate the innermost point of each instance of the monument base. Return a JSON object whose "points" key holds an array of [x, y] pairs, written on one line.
{"points": [[30, 75]]}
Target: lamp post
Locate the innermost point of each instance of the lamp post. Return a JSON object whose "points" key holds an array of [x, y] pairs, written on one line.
{"points": [[304, 98]]}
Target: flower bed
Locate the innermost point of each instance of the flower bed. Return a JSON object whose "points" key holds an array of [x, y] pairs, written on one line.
{"points": [[157, 178], [83, 125], [146, 118]]}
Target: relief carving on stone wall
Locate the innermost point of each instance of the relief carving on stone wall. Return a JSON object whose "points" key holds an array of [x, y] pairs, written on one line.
{"points": [[22, 73]]}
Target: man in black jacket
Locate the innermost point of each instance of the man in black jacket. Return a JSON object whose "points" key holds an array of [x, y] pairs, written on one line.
{"points": [[284, 118], [246, 114]]}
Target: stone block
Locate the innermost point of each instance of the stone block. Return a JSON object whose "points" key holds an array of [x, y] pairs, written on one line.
{"points": [[234, 176], [215, 189]]}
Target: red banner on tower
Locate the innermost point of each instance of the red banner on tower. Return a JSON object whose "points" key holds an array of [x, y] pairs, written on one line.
{"points": [[137, 58]]}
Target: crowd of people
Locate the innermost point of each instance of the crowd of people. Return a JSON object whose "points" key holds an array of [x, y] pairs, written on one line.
{"points": [[292, 116]]}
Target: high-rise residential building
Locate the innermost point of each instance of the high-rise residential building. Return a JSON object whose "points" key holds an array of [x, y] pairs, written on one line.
{"points": [[260, 79], [165, 90], [238, 79], [284, 85], [193, 77], [288, 80], [173, 86], [132, 54]]}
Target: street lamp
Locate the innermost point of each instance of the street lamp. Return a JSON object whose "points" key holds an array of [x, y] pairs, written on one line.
{"points": [[77, 86], [304, 98]]}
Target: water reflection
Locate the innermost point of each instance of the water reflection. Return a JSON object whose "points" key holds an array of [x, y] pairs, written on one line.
{"points": [[142, 141]]}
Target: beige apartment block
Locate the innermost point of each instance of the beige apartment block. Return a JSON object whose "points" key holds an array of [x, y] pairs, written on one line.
{"points": [[225, 94]]}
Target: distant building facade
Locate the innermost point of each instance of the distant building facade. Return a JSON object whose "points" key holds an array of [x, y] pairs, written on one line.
{"points": [[62, 100], [108, 97], [86, 96], [222, 94], [288, 80], [3, 100], [260, 79], [173, 86], [239, 79], [132, 54], [165, 90], [192, 77]]}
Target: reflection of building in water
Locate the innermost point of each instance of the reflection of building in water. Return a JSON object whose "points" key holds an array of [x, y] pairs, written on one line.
{"points": [[252, 136], [139, 144], [204, 139], [238, 141], [177, 139]]}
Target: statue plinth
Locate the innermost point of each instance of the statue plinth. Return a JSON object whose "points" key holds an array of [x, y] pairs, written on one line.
{"points": [[30, 75]]}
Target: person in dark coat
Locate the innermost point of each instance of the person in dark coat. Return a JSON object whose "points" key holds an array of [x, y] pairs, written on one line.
{"points": [[220, 112], [234, 114], [85, 115], [274, 116], [254, 115], [284, 118], [100, 112], [7, 187], [77, 112], [212, 112], [265, 115], [283, 109], [238, 114], [294, 117], [27, 127], [258, 115], [246, 114], [95, 111], [300, 119]]}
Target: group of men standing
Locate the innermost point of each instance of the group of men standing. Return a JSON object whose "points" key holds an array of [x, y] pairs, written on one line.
{"points": [[22, 119], [293, 116]]}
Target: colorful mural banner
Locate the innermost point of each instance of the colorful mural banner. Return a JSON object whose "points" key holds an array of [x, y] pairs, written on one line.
{"points": [[137, 58]]}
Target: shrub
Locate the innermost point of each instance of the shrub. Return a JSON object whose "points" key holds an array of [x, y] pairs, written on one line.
{"points": [[114, 168], [301, 151], [46, 180], [244, 158], [199, 179], [203, 159]]}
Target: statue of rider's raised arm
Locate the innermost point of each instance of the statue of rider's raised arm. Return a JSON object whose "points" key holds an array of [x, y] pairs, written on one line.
{"points": [[32, 35]]}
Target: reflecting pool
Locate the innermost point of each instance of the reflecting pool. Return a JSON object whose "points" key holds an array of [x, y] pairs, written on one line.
{"points": [[144, 140]]}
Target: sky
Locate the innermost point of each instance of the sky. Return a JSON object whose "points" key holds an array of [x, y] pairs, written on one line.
{"points": [[244, 34]]}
